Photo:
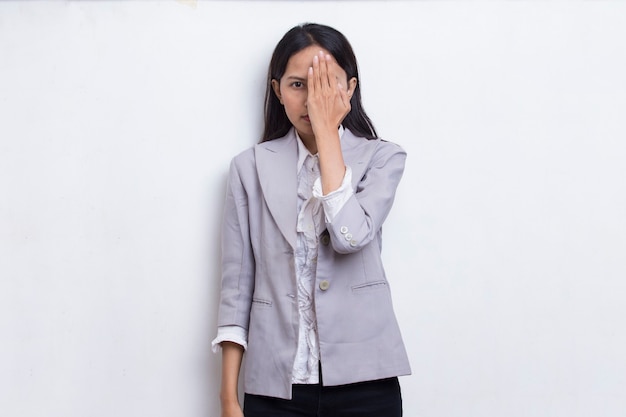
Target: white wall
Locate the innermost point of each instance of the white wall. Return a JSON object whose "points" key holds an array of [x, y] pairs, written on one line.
{"points": [[506, 247]]}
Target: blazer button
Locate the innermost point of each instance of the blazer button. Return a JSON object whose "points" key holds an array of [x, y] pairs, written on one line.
{"points": [[325, 239], [324, 285], [348, 236], [353, 243], [343, 230]]}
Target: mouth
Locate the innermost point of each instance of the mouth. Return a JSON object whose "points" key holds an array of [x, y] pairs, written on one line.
{"points": [[306, 118]]}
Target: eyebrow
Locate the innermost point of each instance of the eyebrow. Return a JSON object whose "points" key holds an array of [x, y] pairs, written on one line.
{"points": [[293, 77]]}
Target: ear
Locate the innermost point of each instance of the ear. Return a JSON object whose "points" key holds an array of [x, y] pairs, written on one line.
{"points": [[352, 82], [276, 88]]}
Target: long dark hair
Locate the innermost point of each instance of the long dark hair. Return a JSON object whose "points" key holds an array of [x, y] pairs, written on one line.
{"points": [[302, 36]]}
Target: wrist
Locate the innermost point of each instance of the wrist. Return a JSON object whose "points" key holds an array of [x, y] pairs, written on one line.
{"points": [[325, 130], [327, 138], [229, 399]]}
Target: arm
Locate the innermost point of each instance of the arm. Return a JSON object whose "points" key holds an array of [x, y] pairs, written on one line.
{"points": [[360, 219], [232, 354], [237, 286], [328, 105]]}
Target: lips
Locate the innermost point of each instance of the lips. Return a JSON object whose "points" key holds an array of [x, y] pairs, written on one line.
{"points": [[306, 118]]}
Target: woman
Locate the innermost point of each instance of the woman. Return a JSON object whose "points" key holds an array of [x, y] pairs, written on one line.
{"points": [[304, 292]]}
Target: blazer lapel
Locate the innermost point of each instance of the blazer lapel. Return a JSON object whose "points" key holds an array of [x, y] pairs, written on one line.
{"points": [[276, 162]]}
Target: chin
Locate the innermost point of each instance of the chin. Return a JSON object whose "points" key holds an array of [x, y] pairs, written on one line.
{"points": [[305, 130]]}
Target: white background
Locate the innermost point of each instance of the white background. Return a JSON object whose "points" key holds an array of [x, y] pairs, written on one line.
{"points": [[506, 246]]}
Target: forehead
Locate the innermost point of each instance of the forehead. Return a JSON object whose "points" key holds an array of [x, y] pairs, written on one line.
{"points": [[300, 62]]}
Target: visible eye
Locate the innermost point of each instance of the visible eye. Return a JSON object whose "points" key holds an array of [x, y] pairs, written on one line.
{"points": [[297, 84]]}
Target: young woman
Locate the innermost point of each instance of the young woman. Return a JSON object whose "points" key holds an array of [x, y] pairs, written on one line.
{"points": [[304, 292]]}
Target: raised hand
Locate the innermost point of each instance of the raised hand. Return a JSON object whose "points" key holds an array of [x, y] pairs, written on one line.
{"points": [[327, 101]]}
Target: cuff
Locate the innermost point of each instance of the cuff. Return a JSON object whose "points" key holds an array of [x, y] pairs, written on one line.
{"points": [[235, 334], [334, 201]]}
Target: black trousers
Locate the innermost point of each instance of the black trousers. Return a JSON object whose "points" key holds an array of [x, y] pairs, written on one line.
{"points": [[380, 398]]}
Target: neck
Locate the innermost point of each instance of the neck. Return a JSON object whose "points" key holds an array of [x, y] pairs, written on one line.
{"points": [[309, 143]]}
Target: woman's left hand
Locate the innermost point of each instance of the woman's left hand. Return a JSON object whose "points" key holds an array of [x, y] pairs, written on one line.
{"points": [[327, 101]]}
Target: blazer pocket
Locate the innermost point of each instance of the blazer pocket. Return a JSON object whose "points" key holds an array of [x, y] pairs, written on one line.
{"points": [[370, 286], [261, 302]]}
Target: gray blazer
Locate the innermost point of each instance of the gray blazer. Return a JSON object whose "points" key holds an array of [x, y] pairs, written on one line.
{"points": [[359, 337]]}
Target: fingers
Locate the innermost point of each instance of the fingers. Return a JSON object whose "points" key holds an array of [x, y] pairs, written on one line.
{"points": [[310, 82], [320, 72], [334, 81], [324, 71], [325, 75], [317, 71]]}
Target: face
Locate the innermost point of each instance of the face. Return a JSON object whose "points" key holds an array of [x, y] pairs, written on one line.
{"points": [[291, 90]]}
